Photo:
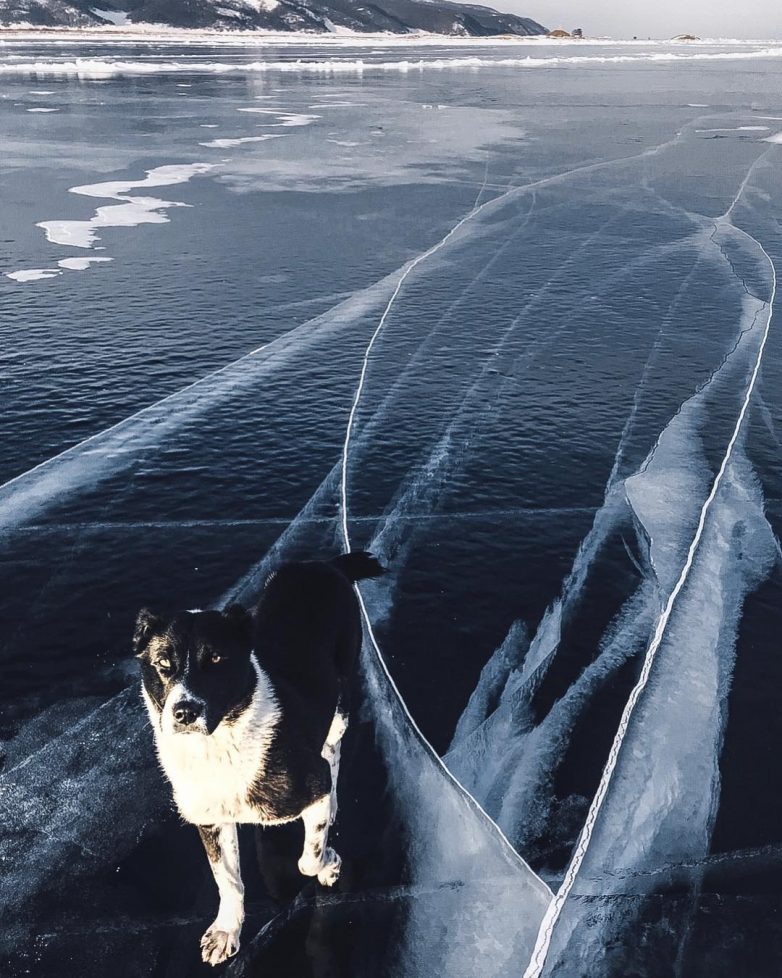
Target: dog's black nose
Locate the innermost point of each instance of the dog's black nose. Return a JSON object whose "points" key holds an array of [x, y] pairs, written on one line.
{"points": [[186, 713]]}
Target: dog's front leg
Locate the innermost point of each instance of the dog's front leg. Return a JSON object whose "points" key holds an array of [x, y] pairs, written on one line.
{"points": [[221, 941], [317, 859]]}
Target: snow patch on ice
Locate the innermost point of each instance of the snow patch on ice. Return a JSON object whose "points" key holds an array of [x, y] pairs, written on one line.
{"points": [[33, 274], [131, 212], [259, 5], [105, 68], [737, 129], [117, 17], [286, 118], [80, 264], [239, 141]]}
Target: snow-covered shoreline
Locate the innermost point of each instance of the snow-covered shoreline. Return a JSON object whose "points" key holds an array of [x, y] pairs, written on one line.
{"points": [[162, 34]]}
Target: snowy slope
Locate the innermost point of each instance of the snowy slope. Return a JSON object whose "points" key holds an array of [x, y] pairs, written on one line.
{"points": [[397, 16]]}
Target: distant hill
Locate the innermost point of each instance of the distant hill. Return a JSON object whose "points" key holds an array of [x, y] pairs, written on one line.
{"points": [[396, 16]]}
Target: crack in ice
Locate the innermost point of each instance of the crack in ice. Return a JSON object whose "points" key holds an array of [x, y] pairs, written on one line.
{"points": [[554, 911], [346, 532]]}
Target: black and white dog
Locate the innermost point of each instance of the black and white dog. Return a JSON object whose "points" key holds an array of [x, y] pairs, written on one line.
{"points": [[248, 712]]}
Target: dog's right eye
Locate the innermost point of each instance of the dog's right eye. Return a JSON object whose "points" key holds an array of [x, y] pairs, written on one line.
{"points": [[164, 665]]}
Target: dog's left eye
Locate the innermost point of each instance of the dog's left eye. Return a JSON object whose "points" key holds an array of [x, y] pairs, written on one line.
{"points": [[164, 665], [215, 657]]}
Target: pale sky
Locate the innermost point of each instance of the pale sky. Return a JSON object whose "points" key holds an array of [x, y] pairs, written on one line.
{"points": [[655, 18]]}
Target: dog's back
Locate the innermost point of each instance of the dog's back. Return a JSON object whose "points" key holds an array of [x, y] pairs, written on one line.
{"points": [[307, 633]]}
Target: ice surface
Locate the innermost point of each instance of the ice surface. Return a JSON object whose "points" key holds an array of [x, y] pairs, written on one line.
{"points": [[658, 791], [776, 138], [451, 837], [42, 109], [116, 449], [60, 829], [468, 923]]}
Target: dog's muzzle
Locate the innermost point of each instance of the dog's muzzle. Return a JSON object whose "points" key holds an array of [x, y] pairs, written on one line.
{"points": [[188, 717]]}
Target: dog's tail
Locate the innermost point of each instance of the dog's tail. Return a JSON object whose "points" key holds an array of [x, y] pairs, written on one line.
{"points": [[358, 565]]}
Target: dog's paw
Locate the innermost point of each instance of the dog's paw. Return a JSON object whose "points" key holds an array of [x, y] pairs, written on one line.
{"points": [[218, 945], [329, 875]]}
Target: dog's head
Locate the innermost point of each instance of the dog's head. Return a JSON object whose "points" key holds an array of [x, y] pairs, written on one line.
{"points": [[195, 667]]}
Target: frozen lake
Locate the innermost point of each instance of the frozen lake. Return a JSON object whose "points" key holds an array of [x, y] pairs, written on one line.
{"points": [[538, 280]]}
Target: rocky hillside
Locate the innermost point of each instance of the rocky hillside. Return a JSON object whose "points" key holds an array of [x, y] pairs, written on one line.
{"points": [[397, 16]]}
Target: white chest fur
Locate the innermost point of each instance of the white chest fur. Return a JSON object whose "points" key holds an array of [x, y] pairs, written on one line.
{"points": [[211, 774]]}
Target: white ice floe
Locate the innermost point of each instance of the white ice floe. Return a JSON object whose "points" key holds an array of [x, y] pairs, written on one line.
{"points": [[43, 109], [130, 212], [33, 274], [42, 92], [239, 141], [776, 138]]}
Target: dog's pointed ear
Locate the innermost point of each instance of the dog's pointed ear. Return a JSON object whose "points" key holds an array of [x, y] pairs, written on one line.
{"points": [[241, 619], [147, 624]]}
